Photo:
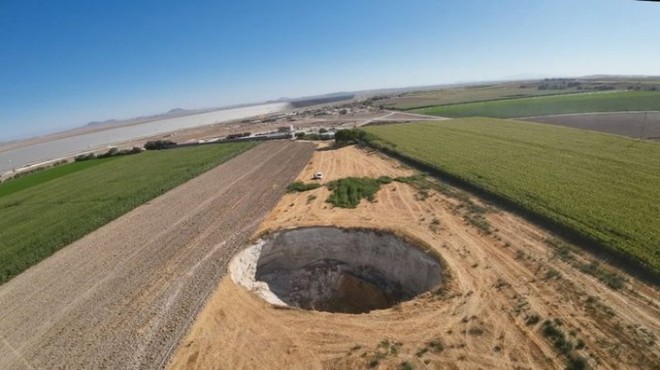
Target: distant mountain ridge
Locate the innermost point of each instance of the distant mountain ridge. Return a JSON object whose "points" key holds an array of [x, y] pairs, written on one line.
{"points": [[172, 113]]}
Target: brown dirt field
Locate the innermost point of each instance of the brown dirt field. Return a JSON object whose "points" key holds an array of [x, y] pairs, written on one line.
{"points": [[642, 125], [124, 295], [498, 281]]}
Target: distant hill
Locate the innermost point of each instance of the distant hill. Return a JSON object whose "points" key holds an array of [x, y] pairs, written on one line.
{"points": [[101, 123], [174, 112]]}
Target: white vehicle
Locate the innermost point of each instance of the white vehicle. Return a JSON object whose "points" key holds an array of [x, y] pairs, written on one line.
{"points": [[318, 176]]}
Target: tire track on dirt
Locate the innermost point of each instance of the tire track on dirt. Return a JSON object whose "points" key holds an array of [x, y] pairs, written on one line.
{"points": [[122, 296], [498, 281]]}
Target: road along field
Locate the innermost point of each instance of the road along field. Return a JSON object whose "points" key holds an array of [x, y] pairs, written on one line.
{"points": [[503, 287], [642, 125], [606, 188], [122, 296], [550, 105], [46, 211]]}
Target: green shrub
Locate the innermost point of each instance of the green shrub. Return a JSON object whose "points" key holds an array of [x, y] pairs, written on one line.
{"points": [[299, 187], [346, 136], [312, 136], [611, 279], [384, 179], [436, 345], [348, 192], [552, 274], [556, 337], [479, 222], [84, 157], [114, 152], [353, 136], [533, 319], [110, 153], [577, 363], [159, 145]]}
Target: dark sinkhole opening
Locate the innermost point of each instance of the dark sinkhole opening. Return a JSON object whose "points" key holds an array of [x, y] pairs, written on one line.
{"points": [[345, 270]]}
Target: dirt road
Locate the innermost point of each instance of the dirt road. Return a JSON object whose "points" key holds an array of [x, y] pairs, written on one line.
{"points": [[505, 284], [123, 296]]}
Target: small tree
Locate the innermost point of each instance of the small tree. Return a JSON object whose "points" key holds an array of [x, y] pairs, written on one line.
{"points": [[84, 157], [110, 153], [344, 136], [349, 136], [158, 144]]}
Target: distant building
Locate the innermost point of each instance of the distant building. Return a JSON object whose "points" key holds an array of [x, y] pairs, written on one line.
{"points": [[285, 129]]}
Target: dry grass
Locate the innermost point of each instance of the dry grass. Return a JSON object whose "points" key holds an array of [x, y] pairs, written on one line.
{"points": [[471, 324]]}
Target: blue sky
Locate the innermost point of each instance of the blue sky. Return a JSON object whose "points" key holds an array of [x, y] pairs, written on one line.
{"points": [[64, 63]]}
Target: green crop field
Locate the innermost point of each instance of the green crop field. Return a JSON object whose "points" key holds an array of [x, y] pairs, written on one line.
{"points": [[464, 95], [549, 105], [44, 212], [603, 187], [29, 181]]}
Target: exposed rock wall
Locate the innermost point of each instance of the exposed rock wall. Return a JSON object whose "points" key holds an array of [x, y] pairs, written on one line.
{"points": [[344, 270]]}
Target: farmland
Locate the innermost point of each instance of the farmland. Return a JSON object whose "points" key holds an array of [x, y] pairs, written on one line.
{"points": [[128, 290], [603, 187], [512, 90], [465, 95], [550, 105], [46, 211], [41, 177], [504, 286], [642, 125]]}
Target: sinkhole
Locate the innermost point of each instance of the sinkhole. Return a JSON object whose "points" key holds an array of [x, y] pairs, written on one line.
{"points": [[336, 269]]}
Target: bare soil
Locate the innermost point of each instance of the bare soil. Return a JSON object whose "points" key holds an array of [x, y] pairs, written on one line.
{"points": [[123, 296], [501, 282], [642, 125]]}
